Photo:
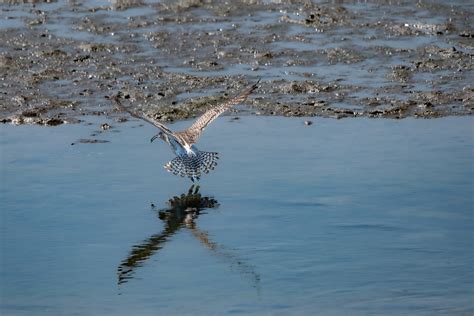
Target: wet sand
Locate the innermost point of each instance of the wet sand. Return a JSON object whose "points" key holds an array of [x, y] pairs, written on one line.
{"points": [[60, 60]]}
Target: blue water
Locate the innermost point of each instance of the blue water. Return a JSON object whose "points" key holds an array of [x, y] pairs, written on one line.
{"points": [[355, 217]]}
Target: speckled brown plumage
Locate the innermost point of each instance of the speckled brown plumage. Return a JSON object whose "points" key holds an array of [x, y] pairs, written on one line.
{"points": [[191, 134]]}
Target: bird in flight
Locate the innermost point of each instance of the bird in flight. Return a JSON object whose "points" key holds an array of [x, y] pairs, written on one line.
{"points": [[190, 161]]}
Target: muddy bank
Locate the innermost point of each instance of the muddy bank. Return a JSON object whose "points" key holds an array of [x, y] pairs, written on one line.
{"points": [[172, 60]]}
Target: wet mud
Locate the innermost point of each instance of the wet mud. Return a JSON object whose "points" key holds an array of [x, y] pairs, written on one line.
{"points": [[172, 60]]}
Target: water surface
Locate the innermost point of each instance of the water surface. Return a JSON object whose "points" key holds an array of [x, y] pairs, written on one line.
{"points": [[341, 217]]}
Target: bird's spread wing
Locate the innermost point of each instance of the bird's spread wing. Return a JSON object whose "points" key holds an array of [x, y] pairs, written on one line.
{"points": [[192, 134], [149, 120]]}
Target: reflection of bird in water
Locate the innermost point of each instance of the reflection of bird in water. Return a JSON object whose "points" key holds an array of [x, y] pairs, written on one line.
{"points": [[183, 212], [190, 161]]}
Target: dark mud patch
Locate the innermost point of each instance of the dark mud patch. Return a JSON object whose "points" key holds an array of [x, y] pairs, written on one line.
{"points": [[172, 60], [90, 141]]}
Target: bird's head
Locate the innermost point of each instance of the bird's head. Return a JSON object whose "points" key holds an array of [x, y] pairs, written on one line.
{"points": [[160, 135]]}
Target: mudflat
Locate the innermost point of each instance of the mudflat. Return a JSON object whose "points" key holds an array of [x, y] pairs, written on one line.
{"points": [[60, 60]]}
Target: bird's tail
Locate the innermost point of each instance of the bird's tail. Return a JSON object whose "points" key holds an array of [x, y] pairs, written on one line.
{"points": [[193, 166]]}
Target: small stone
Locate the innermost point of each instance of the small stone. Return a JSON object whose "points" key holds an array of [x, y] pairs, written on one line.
{"points": [[53, 122], [121, 119], [105, 126]]}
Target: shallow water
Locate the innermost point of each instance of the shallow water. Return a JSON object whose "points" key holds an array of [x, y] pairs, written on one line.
{"points": [[355, 216], [350, 58]]}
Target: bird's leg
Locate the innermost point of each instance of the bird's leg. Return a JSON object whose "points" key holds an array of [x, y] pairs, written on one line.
{"points": [[154, 137]]}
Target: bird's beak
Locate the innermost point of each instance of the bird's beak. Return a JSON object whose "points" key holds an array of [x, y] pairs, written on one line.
{"points": [[154, 137]]}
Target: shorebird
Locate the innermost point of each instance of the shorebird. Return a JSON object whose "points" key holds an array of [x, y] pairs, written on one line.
{"points": [[190, 161]]}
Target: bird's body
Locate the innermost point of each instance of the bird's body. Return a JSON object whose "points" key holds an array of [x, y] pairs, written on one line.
{"points": [[190, 161]]}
